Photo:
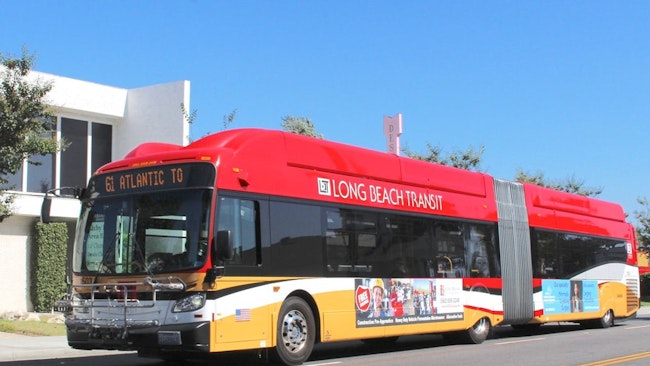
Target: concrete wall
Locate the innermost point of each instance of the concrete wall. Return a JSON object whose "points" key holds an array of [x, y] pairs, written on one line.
{"points": [[85, 98], [15, 251], [148, 112]]}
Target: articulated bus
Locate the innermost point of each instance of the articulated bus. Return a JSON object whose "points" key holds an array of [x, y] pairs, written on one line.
{"points": [[264, 240]]}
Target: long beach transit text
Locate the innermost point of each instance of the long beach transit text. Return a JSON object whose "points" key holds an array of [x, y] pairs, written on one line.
{"points": [[379, 194]]}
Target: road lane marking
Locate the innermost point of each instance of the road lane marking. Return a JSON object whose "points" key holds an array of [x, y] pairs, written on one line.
{"points": [[637, 327], [521, 341], [617, 360]]}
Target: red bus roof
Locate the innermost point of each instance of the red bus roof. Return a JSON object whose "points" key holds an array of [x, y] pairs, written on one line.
{"points": [[292, 165]]}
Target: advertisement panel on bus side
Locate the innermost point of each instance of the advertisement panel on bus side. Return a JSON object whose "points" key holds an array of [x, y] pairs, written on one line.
{"points": [[570, 296], [401, 301]]}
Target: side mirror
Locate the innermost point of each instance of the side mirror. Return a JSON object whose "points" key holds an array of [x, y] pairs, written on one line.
{"points": [[223, 249], [46, 206]]}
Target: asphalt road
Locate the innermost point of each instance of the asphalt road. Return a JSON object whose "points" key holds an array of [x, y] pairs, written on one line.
{"points": [[562, 344]]}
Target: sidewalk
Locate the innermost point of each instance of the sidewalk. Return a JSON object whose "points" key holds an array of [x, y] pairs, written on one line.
{"points": [[16, 347]]}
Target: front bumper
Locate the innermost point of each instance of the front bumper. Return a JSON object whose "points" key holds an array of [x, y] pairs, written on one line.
{"points": [[188, 337]]}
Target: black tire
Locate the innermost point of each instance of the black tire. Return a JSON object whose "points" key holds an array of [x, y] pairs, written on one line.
{"points": [[606, 321], [476, 334], [296, 332], [480, 331]]}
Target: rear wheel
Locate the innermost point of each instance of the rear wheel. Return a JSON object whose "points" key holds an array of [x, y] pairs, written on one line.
{"points": [[296, 332], [607, 320]]}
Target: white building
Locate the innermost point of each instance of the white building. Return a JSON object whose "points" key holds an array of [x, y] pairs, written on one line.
{"points": [[100, 123]]}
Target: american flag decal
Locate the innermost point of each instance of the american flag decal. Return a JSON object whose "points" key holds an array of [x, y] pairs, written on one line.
{"points": [[242, 315]]}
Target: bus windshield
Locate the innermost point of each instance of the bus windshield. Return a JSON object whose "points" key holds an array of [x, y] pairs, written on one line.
{"points": [[151, 232]]}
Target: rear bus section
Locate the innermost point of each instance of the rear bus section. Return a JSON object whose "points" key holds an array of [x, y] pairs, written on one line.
{"points": [[583, 257]]}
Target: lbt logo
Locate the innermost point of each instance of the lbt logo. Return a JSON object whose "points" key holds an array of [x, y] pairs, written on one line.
{"points": [[324, 187]]}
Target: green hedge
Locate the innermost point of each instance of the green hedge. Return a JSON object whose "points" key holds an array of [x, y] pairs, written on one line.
{"points": [[48, 263], [645, 287]]}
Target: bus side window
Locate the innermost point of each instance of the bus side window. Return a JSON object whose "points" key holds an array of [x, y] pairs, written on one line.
{"points": [[337, 243], [351, 242], [544, 254], [450, 248], [478, 243], [241, 217], [296, 234]]}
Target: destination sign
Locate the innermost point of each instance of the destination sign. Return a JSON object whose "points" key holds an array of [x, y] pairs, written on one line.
{"points": [[153, 178]]}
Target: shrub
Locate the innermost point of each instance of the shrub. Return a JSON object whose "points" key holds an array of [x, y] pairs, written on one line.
{"points": [[645, 286], [48, 264]]}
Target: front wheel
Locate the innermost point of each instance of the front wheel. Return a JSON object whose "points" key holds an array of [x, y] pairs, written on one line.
{"points": [[296, 332]]}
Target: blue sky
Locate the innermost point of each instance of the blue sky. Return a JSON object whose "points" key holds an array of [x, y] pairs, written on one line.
{"points": [[557, 87]]}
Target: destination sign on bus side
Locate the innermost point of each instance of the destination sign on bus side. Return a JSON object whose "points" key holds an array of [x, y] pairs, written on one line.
{"points": [[154, 178], [375, 193]]}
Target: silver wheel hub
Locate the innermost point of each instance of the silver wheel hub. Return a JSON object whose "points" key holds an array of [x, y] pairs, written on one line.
{"points": [[294, 331], [481, 326], [608, 317]]}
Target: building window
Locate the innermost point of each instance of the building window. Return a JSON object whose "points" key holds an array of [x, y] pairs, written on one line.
{"points": [[40, 178], [101, 145], [73, 166], [14, 181], [74, 159], [41, 170]]}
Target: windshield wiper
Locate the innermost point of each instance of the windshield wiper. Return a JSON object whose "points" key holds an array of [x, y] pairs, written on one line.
{"points": [[101, 266], [141, 261]]}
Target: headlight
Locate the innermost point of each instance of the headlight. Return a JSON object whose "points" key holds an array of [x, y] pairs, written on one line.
{"points": [[190, 303]]}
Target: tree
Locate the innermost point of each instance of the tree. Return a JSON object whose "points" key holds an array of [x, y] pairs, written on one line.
{"points": [[229, 119], [571, 185], [469, 159], [643, 226], [300, 126], [190, 117], [26, 122]]}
